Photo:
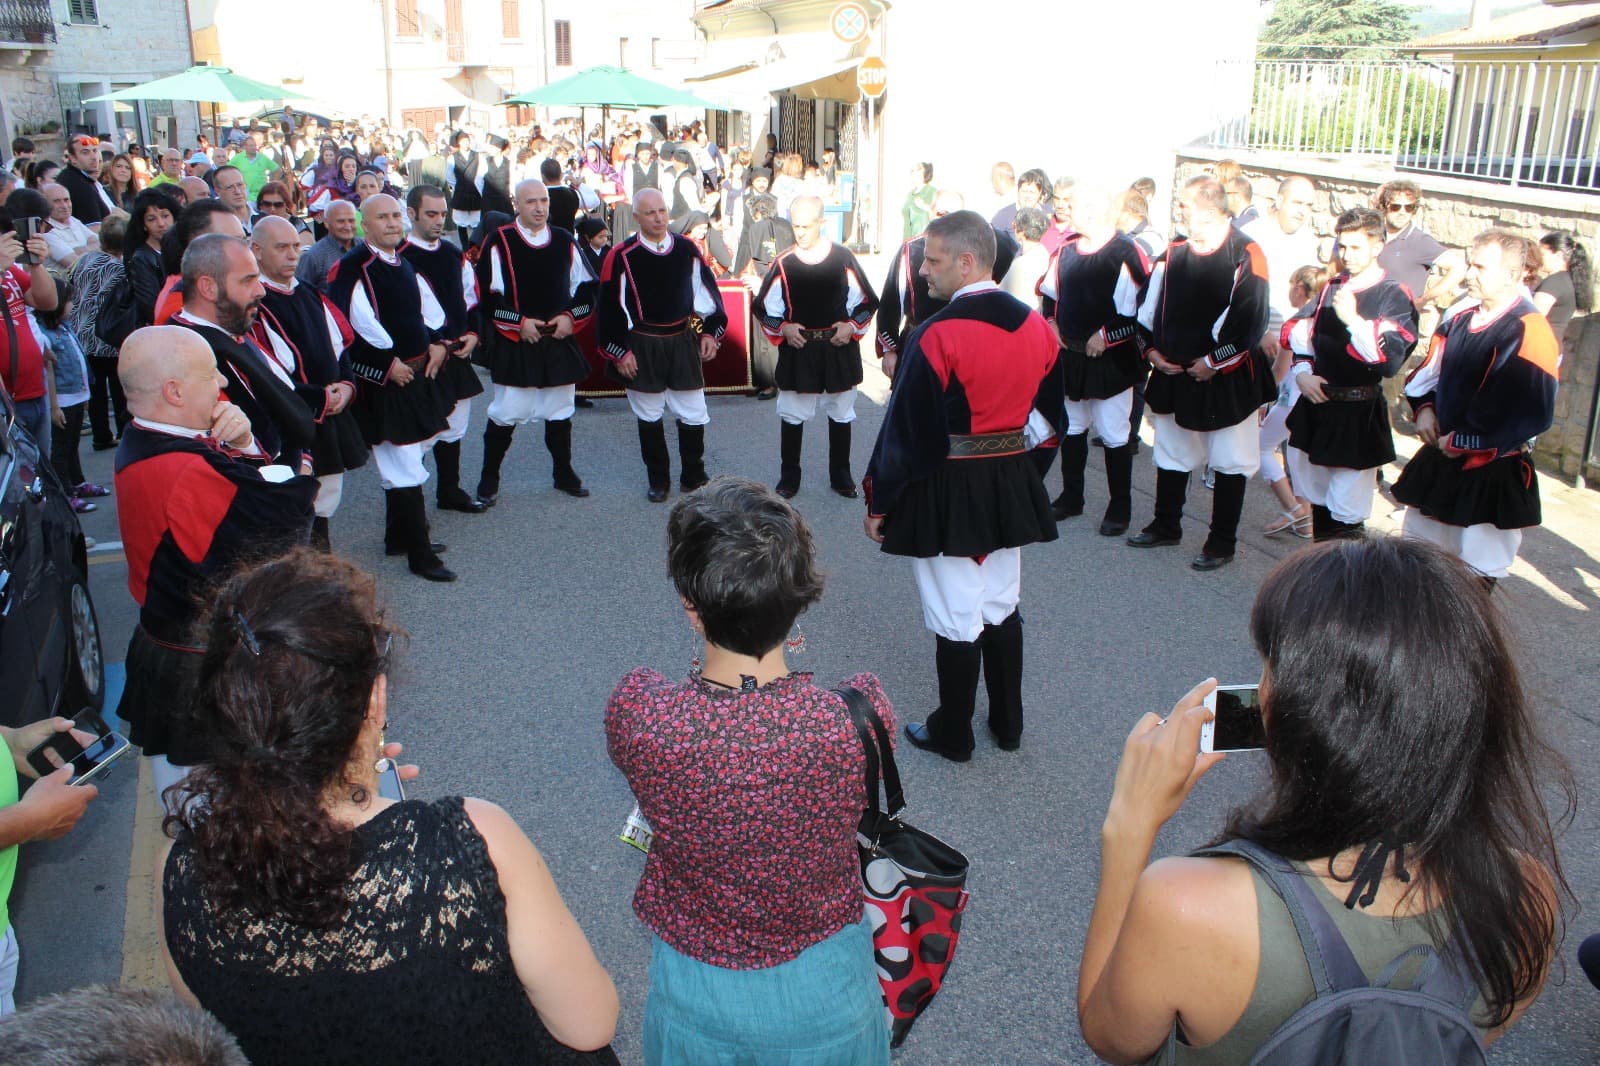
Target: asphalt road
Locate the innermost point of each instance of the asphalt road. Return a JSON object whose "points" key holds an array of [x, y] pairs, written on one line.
{"points": [[501, 692]]}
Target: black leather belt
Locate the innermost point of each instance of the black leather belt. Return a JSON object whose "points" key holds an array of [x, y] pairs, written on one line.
{"points": [[986, 445], [676, 329], [1351, 393]]}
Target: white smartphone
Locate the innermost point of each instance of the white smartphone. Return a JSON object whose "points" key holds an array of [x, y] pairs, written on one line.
{"points": [[1236, 720]]}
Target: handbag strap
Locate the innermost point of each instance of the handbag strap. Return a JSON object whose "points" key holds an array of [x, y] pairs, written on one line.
{"points": [[879, 750], [11, 333]]}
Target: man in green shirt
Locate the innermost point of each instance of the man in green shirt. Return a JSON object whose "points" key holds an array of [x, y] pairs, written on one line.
{"points": [[171, 171], [254, 164], [49, 810]]}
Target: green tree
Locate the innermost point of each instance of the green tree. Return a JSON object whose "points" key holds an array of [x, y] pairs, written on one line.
{"points": [[1335, 29]]}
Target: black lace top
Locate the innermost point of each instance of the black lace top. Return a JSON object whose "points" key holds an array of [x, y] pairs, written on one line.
{"points": [[418, 972]]}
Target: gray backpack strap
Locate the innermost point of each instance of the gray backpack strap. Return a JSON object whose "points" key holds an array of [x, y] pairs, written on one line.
{"points": [[1333, 965]]}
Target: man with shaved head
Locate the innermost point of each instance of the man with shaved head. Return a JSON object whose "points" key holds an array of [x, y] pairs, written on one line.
{"points": [[815, 304], [298, 327], [537, 292], [198, 499], [906, 302], [661, 316], [192, 190], [396, 354], [221, 295]]}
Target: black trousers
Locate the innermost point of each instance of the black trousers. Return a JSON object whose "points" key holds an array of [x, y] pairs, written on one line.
{"points": [[64, 446], [106, 402]]}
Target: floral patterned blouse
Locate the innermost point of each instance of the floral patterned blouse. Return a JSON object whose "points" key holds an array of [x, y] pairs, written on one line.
{"points": [[754, 798]]}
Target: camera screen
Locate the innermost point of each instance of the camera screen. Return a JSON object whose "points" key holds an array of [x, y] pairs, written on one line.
{"points": [[1238, 723]]}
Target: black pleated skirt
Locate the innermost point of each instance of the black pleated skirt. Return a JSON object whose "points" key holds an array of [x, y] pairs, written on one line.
{"points": [[399, 414], [543, 365], [820, 366], [456, 381], [158, 700], [1225, 400], [1503, 493], [1355, 436], [338, 445], [664, 363], [1117, 370], [971, 507]]}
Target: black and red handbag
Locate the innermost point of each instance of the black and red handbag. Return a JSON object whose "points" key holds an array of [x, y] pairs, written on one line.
{"points": [[915, 884]]}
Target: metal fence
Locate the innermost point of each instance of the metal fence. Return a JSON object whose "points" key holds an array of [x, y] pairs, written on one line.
{"points": [[1518, 123], [27, 22]]}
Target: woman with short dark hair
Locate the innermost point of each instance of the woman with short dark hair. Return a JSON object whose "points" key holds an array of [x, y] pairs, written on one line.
{"points": [[321, 922], [752, 778], [154, 212], [1406, 769]]}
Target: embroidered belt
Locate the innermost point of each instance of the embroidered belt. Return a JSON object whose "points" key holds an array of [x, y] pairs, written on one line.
{"points": [[1352, 393], [822, 334], [986, 445]]}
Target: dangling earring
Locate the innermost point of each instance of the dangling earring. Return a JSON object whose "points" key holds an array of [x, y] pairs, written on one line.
{"points": [[696, 644], [796, 642]]}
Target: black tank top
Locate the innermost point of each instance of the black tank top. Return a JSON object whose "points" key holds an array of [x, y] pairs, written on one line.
{"points": [[419, 970]]}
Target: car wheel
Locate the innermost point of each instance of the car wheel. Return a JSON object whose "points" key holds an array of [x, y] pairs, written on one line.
{"points": [[86, 677]]}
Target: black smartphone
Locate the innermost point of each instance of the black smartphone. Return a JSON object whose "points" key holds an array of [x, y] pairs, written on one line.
{"points": [[1237, 724], [27, 229]]}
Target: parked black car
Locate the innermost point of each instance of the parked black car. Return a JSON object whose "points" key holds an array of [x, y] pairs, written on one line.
{"points": [[50, 655]]}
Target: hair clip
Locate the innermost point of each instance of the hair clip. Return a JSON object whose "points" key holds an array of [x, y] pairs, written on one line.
{"points": [[247, 635]]}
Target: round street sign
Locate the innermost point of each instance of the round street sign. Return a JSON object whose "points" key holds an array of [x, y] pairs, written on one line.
{"points": [[849, 22], [872, 76]]}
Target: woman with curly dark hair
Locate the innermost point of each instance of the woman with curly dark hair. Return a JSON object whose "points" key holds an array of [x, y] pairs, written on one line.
{"points": [[1406, 775], [154, 212], [321, 922]]}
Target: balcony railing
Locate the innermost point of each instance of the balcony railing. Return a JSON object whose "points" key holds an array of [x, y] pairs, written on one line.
{"points": [[27, 22], [1523, 123]]}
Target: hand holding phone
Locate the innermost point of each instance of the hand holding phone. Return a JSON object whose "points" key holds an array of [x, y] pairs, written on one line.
{"points": [[56, 804], [27, 230], [1236, 723], [389, 786], [88, 749]]}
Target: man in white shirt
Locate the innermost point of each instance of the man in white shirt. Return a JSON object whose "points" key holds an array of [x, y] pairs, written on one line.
{"points": [[69, 239]]}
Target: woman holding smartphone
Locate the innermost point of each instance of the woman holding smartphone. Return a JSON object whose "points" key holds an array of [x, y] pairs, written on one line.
{"points": [[751, 777], [322, 923], [1406, 769]]}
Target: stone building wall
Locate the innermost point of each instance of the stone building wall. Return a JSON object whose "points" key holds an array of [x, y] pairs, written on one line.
{"points": [[134, 41], [27, 93], [1455, 211]]}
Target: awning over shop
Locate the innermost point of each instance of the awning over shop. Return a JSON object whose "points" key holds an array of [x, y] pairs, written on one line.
{"points": [[810, 79]]}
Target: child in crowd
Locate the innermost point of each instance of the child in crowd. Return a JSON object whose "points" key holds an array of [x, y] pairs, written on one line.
{"points": [[69, 397], [1294, 513]]}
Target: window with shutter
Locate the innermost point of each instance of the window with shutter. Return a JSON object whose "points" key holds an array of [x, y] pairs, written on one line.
{"points": [[83, 12], [406, 23], [510, 20], [563, 43]]}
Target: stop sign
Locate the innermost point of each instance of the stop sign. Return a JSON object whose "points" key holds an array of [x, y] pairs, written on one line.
{"points": [[872, 76]]}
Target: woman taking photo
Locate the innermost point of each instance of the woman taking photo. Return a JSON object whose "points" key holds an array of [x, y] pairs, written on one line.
{"points": [[153, 213], [751, 777], [1405, 788], [323, 923]]}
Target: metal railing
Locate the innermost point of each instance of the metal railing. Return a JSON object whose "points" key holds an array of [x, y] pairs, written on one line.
{"points": [[27, 22], [1521, 123]]}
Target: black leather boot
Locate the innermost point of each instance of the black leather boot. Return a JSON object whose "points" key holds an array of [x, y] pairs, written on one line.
{"points": [[839, 477], [657, 461], [1119, 479], [448, 494], [496, 442], [421, 557], [1227, 504], [1172, 487], [558, 438], [1002, 677], [692, 454], [948, 730], [791, 438], [1074, 456]]}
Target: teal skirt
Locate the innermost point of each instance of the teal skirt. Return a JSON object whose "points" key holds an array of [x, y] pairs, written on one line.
{"points": [[822, 1008]]}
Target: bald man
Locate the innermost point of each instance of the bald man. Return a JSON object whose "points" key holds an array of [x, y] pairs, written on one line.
{"points": [[537, 293], [318, 261], [197, 499], [906, 303], [301, 331], [815, 304], [171, 168], [660, 318], [395, 355], [192, 190]]}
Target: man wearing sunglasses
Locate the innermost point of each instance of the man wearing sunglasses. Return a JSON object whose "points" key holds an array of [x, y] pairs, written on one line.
{"points": [[1408, 252]]}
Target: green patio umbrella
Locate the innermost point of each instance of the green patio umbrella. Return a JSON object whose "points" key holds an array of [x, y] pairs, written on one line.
{"points": [[608, 87], [203, 84]]}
